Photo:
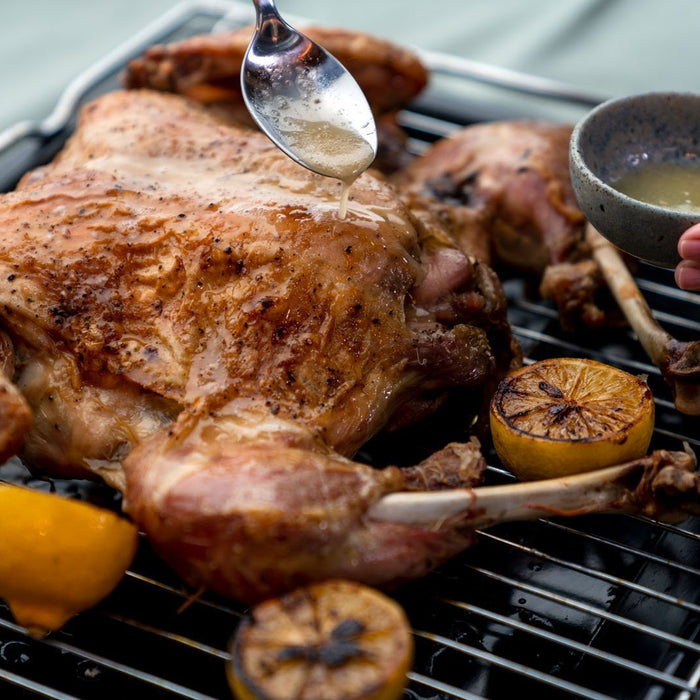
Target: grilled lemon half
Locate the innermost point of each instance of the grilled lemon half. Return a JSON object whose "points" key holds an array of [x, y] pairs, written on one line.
{"points": [[568, 415], [328, 641]]}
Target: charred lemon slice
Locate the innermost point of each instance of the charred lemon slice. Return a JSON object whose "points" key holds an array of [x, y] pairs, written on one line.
{"points": [[331, 640], [566, 415], [58, 556]]}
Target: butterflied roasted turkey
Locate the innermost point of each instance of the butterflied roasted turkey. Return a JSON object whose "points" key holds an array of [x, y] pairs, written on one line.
{"points": [[192, 321], [185, 315]]}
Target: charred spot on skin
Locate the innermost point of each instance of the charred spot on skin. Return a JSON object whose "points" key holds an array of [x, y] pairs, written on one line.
{"points": [[238, 265], [265, 304], [58, 314], [334, 380]]}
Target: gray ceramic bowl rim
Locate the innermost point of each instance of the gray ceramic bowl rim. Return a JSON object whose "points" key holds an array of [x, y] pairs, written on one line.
{"points": [[583, 123], [579, 161]]}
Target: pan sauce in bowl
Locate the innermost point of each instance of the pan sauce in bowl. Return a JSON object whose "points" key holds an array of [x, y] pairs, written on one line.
{"points": [[673, 185]]}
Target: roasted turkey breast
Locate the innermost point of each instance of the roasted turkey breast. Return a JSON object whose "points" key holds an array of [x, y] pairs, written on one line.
{"points": [[186, 304]]}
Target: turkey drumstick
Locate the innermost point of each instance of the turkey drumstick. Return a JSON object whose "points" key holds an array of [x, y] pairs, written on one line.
{"points": [[503, 191], [254, 517]]}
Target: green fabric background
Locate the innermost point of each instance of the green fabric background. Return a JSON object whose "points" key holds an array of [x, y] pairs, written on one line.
{"points": [[608, 47]]}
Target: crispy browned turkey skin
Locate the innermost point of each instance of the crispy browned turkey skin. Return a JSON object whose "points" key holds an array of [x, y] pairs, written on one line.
{"points": [[184, 300], [207, 67]]}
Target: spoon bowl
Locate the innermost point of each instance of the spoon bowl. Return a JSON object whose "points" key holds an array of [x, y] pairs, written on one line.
{"points": [[624, 136], [305, 100]]}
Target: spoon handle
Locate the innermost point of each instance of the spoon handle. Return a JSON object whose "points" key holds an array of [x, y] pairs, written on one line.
{"points": [[265, 7], [269, 26]]}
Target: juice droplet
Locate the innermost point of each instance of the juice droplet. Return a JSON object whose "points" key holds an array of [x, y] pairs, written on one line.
{"points": [[344, 196]]}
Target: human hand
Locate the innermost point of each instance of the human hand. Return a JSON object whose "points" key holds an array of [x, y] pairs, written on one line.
{"points": [[687, 272]]}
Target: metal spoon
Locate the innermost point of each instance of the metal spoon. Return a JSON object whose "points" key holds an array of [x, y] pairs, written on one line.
{"points": [[305, 100]]}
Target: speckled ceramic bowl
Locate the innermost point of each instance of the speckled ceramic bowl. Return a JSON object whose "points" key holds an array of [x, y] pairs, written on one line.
{"points": [[618, 136]]}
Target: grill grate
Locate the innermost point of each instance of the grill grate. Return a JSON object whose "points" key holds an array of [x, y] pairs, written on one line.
{"points": [[596, 607]]}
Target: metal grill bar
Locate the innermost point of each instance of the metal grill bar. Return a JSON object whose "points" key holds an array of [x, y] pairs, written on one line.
{"points": [[591, 610], [187, 599], [648, 556], [600, 575], [143, 676], [680, 437], [436, 127], [450, 690], [36, 688], [672, 528], [694, 681], [671, 319], [513, 667], [571, 644], [172, 637], [664, 317], [504, 78], [670, 292], [576, 349]]}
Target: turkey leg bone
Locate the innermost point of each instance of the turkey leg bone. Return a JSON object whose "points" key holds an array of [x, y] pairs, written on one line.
{"points": [[662, 485], [678, 361]]}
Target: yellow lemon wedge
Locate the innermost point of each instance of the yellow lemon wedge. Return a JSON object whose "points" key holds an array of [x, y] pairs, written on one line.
{"points": [[567, 415], [58, 556], [328, 641]]}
